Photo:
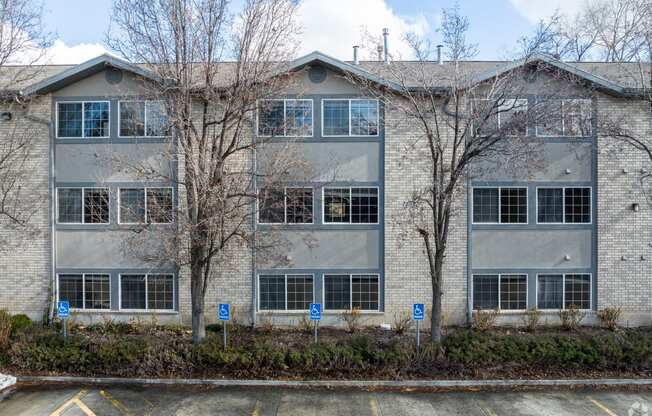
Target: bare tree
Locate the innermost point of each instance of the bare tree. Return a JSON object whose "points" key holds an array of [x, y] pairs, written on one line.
{"points": [[460, 128], [211, 107]]}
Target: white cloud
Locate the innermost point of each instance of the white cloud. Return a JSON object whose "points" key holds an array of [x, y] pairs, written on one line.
{"points": [[61, 53], [534, 10], [334, 26]]}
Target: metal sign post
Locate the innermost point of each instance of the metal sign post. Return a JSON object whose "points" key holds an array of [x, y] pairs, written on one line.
{"points": [[417, 315], [63, 312], [224, 315], [315, 315]]}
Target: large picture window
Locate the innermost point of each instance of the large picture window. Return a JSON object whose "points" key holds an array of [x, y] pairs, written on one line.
{"points": [[285, 206], [560, 291], [85, 291], [508, 117], [142, 119], [345, 292], [350, 117], [285, 118], [145, 205], [83, 205], [570, 205], [500, 291], [500, 205], [567, 117], [147, 292], [88, 119], [285, 292], [350, 205]]}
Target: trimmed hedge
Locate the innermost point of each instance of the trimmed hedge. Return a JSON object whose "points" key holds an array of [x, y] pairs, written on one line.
{"points": [[463, 352]]}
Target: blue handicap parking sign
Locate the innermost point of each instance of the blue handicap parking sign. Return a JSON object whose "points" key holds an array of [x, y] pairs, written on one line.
{"points": [[418, 311], [315, 311], [63, 309], [224, 311]]}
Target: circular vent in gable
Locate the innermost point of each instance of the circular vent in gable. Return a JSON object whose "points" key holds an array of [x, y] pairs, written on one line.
{"points": [[113, 75], [317, 74]]}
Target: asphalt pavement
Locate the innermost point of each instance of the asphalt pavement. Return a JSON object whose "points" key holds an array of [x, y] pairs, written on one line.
{"points": [[94, 400]]}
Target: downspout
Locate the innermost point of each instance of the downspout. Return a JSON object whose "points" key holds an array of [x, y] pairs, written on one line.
{"points": [[51, 209], [254, 286]]}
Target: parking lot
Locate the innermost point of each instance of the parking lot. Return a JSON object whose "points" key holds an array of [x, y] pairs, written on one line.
{"points": [[69, 401]]}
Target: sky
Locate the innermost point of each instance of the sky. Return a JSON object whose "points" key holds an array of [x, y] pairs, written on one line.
{"points": [[331, 26]]}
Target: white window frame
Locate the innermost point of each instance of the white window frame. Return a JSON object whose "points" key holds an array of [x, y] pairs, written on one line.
{"points": [[527, 206], [174, 293], [513, 102], [323, 205], [146, 210], [563, 291], [285, 100], [350, 275], [83, 136], [144, 119], [285, 279], [563, 202], [83, 207], [285, 208], [500, 276], [83, 275], [563, 113], [350, 100]]}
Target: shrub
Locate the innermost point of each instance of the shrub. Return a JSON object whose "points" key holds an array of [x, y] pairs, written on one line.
{"points": [[609, 318], [402, 322], [265, 323], [571, 318], [351, 319], [305, 324], [5, 328], [532, 319], [484, 320], [19, 322]]}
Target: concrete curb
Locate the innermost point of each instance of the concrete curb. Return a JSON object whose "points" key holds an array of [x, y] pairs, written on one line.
{"points": [[360, 384], [7, 383]]}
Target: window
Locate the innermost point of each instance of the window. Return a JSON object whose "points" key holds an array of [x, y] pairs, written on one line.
{"points": [[564, 205], [285, 292], [491, 118], [570, 117], [500, 205], [85, 291], [289, 118], [559, 291], [345, 292], [147, 291], [142, 119], [289, 206], [83, 119], [351, 205], [500, 291], [140, 205], [83, 205], [350, 117]]}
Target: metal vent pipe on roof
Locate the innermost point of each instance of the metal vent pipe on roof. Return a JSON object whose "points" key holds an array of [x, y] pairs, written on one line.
{"points": [[379, 49], [385, 41], [439, 60], [355, 55]]}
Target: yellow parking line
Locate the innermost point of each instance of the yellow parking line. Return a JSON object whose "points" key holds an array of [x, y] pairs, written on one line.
{"points": [[76, 400], [373, 405], [601, 406], [121, 407], [257, 408]]}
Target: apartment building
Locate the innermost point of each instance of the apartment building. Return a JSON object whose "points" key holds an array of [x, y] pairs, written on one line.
{"points": [[576, 229]]}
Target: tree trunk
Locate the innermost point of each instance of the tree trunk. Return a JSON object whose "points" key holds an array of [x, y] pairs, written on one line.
{"points": [[435, 318], [197, 302]]}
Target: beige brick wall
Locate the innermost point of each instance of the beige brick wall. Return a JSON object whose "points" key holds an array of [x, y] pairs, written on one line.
{"points": [[25, 251], [624, 236]]}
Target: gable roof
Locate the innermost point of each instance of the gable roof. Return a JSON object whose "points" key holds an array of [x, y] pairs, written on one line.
{"points": [[622, 79], [83, 70]]}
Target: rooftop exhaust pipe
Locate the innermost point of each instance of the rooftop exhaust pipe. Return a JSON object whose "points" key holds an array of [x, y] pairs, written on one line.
{"points": [[439, 60], [355, 55], [385, 40], [379, 49]]}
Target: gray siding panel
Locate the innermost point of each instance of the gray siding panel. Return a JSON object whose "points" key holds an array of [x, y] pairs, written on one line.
{"points": [[508, 249]]}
